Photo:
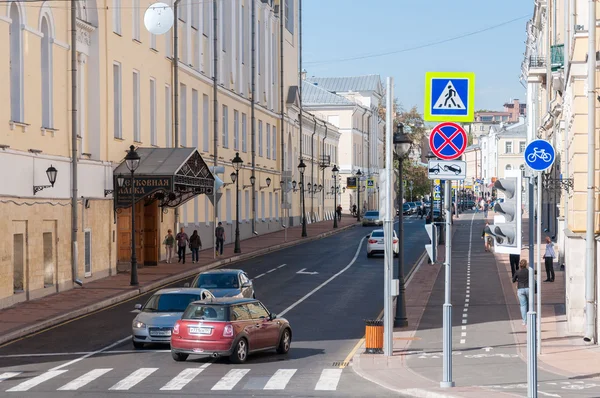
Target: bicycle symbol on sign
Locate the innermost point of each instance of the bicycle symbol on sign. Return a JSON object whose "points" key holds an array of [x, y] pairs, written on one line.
{"points": [[539, 154]]}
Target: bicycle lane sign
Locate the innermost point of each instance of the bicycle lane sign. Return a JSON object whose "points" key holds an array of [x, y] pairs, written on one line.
{"points": [[539, 155]]}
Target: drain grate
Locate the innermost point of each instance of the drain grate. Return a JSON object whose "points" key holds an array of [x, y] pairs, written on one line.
{"points": [[341, 364]]}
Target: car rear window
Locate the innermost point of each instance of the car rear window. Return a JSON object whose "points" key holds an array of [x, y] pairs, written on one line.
{"points": [[377, 234], [372, 214], [206, 312], [169, 302], [218, 281]]}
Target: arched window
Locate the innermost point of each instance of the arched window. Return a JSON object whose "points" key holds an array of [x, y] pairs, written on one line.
{"points": [[508, 167], [16, 65], [47, 114]]}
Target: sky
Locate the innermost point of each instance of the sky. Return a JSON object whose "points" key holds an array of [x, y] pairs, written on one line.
{"points": [[335, 30]]}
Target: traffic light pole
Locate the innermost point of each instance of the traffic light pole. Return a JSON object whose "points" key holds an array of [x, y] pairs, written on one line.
{"points": [[531, 314], [447, 320]]}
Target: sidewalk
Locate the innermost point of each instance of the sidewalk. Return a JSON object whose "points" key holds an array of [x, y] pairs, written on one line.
{"points": [[35, 315]]}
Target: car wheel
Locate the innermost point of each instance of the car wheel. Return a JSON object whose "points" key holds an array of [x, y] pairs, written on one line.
{"points": [[179, 357], [285, 342], [137, 345], [240, 352]]}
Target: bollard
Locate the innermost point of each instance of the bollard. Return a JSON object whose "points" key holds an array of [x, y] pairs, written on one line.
{"points": [[374, 336]]}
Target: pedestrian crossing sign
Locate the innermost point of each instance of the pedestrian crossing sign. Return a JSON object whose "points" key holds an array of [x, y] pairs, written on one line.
{"points": [[449, 97], [437, 196]]}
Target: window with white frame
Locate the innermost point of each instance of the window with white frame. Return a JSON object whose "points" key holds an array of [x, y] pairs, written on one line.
{"points": [[223, 30], [268, 132], [244, 133], [153, 140], [509, 146], [276, 205], [236, 130], [136, 107], [271, 205], [47, 73], [183, 12], [117, 101], [228, 204], [247, 205], [258, 47], [262, 206], [152, 41], [522, 146], [183, 113], [225, 126], [206, 17], [205, 122], [16, 64], [135, 13], [260, 134], [508, 167], [168, 117], [289, 15], [274, 143], [88, 252], [195, 14], [116, 15], [195, 123], [244, 38]]}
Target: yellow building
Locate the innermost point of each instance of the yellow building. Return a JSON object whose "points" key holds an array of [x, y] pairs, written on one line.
{"points": [[126, 97]]}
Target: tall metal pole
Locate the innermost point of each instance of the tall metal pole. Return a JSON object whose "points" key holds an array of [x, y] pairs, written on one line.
{"points": [[74, 133], [237, 248], [134, 273], [531, 314], [252, 111], [388, 224], [176, 93], [282, 105], [215, 117], [539, 263], [400, 319], [590, 265], [358, 197], [300, 78], [335, 194], [447, 321], [303, 206]]}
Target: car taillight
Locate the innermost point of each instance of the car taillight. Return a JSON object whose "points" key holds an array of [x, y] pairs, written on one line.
{"points": [[228, 331], [372, 241], [395, 241], [176, 328]]}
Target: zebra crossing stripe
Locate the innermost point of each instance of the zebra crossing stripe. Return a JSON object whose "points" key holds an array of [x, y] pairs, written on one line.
{"points": [[280, 379], [182, 379], [329, 379], [8, 375], [84, 380], [26, 385], [229, 381], [133, 379]]}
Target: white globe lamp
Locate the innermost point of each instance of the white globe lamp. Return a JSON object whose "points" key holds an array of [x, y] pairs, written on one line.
{"points": [[159, 18]]}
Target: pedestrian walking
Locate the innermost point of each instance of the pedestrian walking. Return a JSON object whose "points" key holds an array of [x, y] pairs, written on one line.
{"points": [[195, 246], [354, 210], [182, 241], [522, 277], [549, 257], [486, 237], [220, 238], [514, 263], [169, 242], [339, 212], [486, 207]]}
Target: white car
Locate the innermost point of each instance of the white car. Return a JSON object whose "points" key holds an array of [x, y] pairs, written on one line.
{"points": [[375, 243]]}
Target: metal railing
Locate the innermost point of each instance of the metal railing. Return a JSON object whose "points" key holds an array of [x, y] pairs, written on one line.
{"points": [[537, 62]]}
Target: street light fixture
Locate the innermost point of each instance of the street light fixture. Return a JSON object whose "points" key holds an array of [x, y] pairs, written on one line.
{"points": [[237, 163], [51, 172], [301, 169], [132, 160], [335, 172], [358, 174], [402, 143]]}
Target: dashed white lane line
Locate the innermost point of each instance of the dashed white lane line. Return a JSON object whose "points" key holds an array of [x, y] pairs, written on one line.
{"points": [[271, 270], [258, 276], [463, 340], [282, 265]]}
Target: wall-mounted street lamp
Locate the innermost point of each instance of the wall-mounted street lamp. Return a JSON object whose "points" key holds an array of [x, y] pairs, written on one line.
{"points": [[237, 164], [268, 180], [51, 172], [252, 182], [294, 184]]}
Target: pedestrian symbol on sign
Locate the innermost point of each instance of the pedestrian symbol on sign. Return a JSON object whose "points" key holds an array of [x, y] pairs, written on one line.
{"points": [[449, 99]]}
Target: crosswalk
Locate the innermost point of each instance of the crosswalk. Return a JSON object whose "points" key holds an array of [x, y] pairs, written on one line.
{"points": [[328, 380]]}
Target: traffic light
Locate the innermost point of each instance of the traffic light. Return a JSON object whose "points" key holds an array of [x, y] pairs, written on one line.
{"points": [[432, 247], [506, 229]]}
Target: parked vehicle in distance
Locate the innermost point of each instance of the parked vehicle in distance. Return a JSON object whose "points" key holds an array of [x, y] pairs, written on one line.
{"points": [[413, 207], [375, 243], [405, 208], [225, 283], [371, 217], [229, 327], [156, 318]]}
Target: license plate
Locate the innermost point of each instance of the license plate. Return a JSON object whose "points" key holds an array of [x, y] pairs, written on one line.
{"points": [[380, 241], [198, 350], [200, 330], [160, 333]]}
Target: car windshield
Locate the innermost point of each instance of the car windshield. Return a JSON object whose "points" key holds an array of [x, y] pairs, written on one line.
{"points": [[372, 214], [218, 281], [169, 302], [206, 312], [405, 205]]}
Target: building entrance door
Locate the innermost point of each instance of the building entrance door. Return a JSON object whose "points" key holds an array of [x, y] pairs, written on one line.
{"points": [[124, 234], [150, 233]]}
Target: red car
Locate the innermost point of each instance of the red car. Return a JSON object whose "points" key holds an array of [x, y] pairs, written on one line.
{"points": [[232, 327]]}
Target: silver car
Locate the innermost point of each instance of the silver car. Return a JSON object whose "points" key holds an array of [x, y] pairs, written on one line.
{"points": [[225, 283], [371, 217], [156, 318], [375, 244]]}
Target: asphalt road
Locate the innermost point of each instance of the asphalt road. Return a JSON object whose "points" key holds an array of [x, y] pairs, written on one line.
{"points": [[484, 352], [93, 355]]}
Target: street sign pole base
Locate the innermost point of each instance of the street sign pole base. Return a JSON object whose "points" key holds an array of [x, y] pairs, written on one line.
{"points": [[447, 384]]}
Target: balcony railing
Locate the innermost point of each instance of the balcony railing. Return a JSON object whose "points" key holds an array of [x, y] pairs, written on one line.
{"points": [[537, 62], [557, 56]]}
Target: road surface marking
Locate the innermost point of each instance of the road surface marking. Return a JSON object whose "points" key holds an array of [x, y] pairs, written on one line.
{"points": [[183, 378], [468, 295], [291, 307], [462, 341], [259, 276], [108, 347], [280, 379], [84, 380], [229, 381], [465, 315], [548, 394], [282, 265], [468, 292], [8, 375], [465, 310], [26, 385], [466, 305], [329, 380], [463, 334], [464, 321], [271, 270], [466, 300], [133, 379], [464, 327]]}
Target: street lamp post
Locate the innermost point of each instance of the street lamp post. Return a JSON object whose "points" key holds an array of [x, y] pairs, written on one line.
{"points": [[237, 164], [132, 160], [402, 143], [358, 175], [335, 172], [301, 168]]}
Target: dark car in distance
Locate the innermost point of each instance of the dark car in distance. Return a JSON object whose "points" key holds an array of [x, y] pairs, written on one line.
{"points": [[225, 283], [229, 327]]}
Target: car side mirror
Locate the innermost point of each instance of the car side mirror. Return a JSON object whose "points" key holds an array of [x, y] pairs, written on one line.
{"points": [[138, 307], [272, 316], [247, 284], [187, 284], [367, 236]]}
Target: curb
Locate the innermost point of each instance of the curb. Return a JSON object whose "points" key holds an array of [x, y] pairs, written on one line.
{"points": [[48, 323]]}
